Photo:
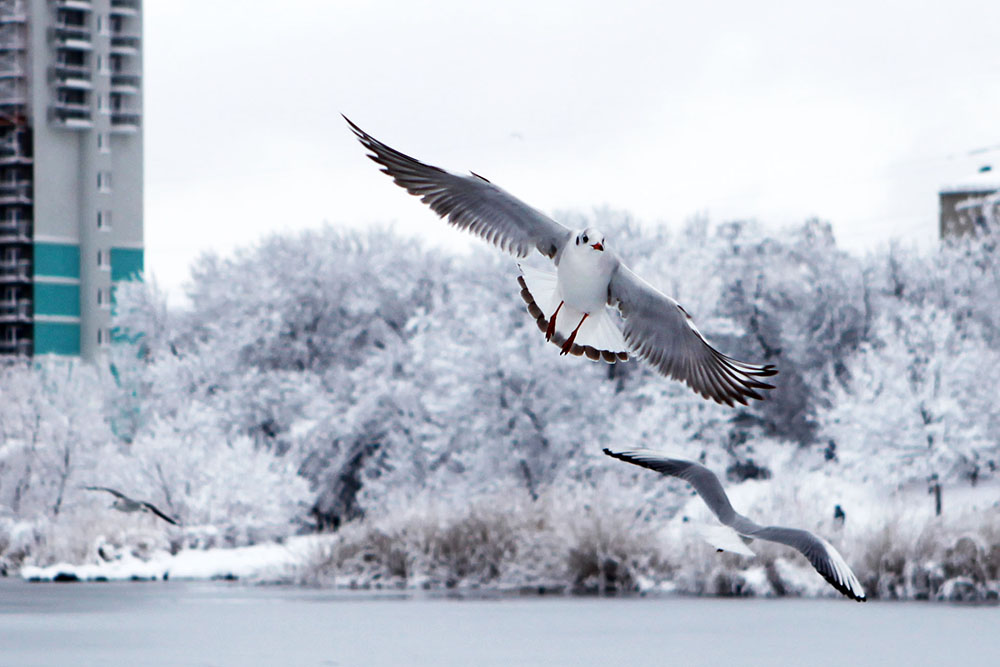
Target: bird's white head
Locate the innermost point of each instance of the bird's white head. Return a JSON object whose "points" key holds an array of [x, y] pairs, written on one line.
{"points": [[590, 238]]}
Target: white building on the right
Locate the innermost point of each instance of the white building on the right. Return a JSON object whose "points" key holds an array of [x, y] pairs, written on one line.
{"points": [[970, 205]]}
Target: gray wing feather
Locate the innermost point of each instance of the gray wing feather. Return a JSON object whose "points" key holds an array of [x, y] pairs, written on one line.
{"points": [[470, 202], [117, 494], [661, 332], [701, 478], [152, 508], [821, 554]]}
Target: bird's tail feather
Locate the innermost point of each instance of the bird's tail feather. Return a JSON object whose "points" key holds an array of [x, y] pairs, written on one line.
{"points": [[598, 337], [724, 538]]}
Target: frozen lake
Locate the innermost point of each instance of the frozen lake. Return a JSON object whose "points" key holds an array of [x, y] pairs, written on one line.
{"points": [[188, 623]]}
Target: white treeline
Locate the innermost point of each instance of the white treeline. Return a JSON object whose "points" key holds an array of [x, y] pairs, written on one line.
{"points": [[363, 384]]}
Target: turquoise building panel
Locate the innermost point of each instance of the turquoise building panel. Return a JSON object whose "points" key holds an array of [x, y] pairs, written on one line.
{"points": [[126, 264], [57, 259], [55, 299], [57, 338]]}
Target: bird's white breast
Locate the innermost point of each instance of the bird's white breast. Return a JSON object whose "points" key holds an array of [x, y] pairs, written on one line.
{"points": [[584, 275]]}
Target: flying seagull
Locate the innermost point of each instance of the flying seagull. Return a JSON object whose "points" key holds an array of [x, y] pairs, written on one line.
{"points": [[123, 503], [570, 305], [827, 560]]}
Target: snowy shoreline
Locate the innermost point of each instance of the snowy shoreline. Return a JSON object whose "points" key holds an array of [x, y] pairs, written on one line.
{"points": [[410, 557], [260, 561]]}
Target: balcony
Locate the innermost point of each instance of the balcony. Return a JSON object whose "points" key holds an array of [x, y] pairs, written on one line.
{"points": [[82, 5], [62, 71], [125, 121], [15, 192], [19, 346], [125, 7], [125, 44], [12, 98], [9, 159], [71, 115], [70, 36], [14, 14], [74, 83], [16, 271], [15, 311], [71, 28], [125, 83], [12, 39], [15, 231]]}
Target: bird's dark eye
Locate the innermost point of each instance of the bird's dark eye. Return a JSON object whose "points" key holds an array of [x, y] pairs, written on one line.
{"points": [[584, 239]]}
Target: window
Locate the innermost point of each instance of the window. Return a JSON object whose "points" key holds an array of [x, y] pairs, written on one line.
{"points": [[103, 259], [104, 181], [104, 219], [100, 336], [102, 143]]}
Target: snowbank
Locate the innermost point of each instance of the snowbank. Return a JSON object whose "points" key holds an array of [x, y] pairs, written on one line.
{"points": [[262, 562]]}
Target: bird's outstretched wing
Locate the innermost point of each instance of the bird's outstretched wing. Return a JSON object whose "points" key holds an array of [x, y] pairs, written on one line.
{"points": [[116, 494], [152, 508], [470, 202], [827, 560], [661, 332], [821, 554], [701, 478]]}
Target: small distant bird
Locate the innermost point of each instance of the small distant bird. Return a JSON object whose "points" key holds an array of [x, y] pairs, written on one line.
{"points": [[839, 516], [128, 505], [570, 305], [821, 554]]}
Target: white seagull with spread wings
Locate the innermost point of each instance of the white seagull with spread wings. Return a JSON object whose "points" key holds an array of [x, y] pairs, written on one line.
{"points": [[570, 305], [821, 554]]}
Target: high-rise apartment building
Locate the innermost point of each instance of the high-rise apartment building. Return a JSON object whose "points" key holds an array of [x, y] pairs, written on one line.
{"points": [[70, 170]]}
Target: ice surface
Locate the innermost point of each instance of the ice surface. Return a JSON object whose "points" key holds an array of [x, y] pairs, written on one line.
{"points": [[174, 623]]}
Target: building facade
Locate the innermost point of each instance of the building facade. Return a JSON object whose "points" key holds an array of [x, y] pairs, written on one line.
{"points": [[970, 206], [71, 171]]}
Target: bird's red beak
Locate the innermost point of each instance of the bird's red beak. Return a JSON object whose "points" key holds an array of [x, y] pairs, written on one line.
{"points": [[597, 246]]}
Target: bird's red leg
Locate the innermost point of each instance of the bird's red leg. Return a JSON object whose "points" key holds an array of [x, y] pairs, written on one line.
{"points": [[551, 329], [568, 345]]}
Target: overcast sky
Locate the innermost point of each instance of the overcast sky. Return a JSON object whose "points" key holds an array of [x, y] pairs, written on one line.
{"points": [[855, 112]]}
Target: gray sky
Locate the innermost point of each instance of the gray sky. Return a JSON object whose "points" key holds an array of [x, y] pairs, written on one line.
{"points": [[855, 112]]}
